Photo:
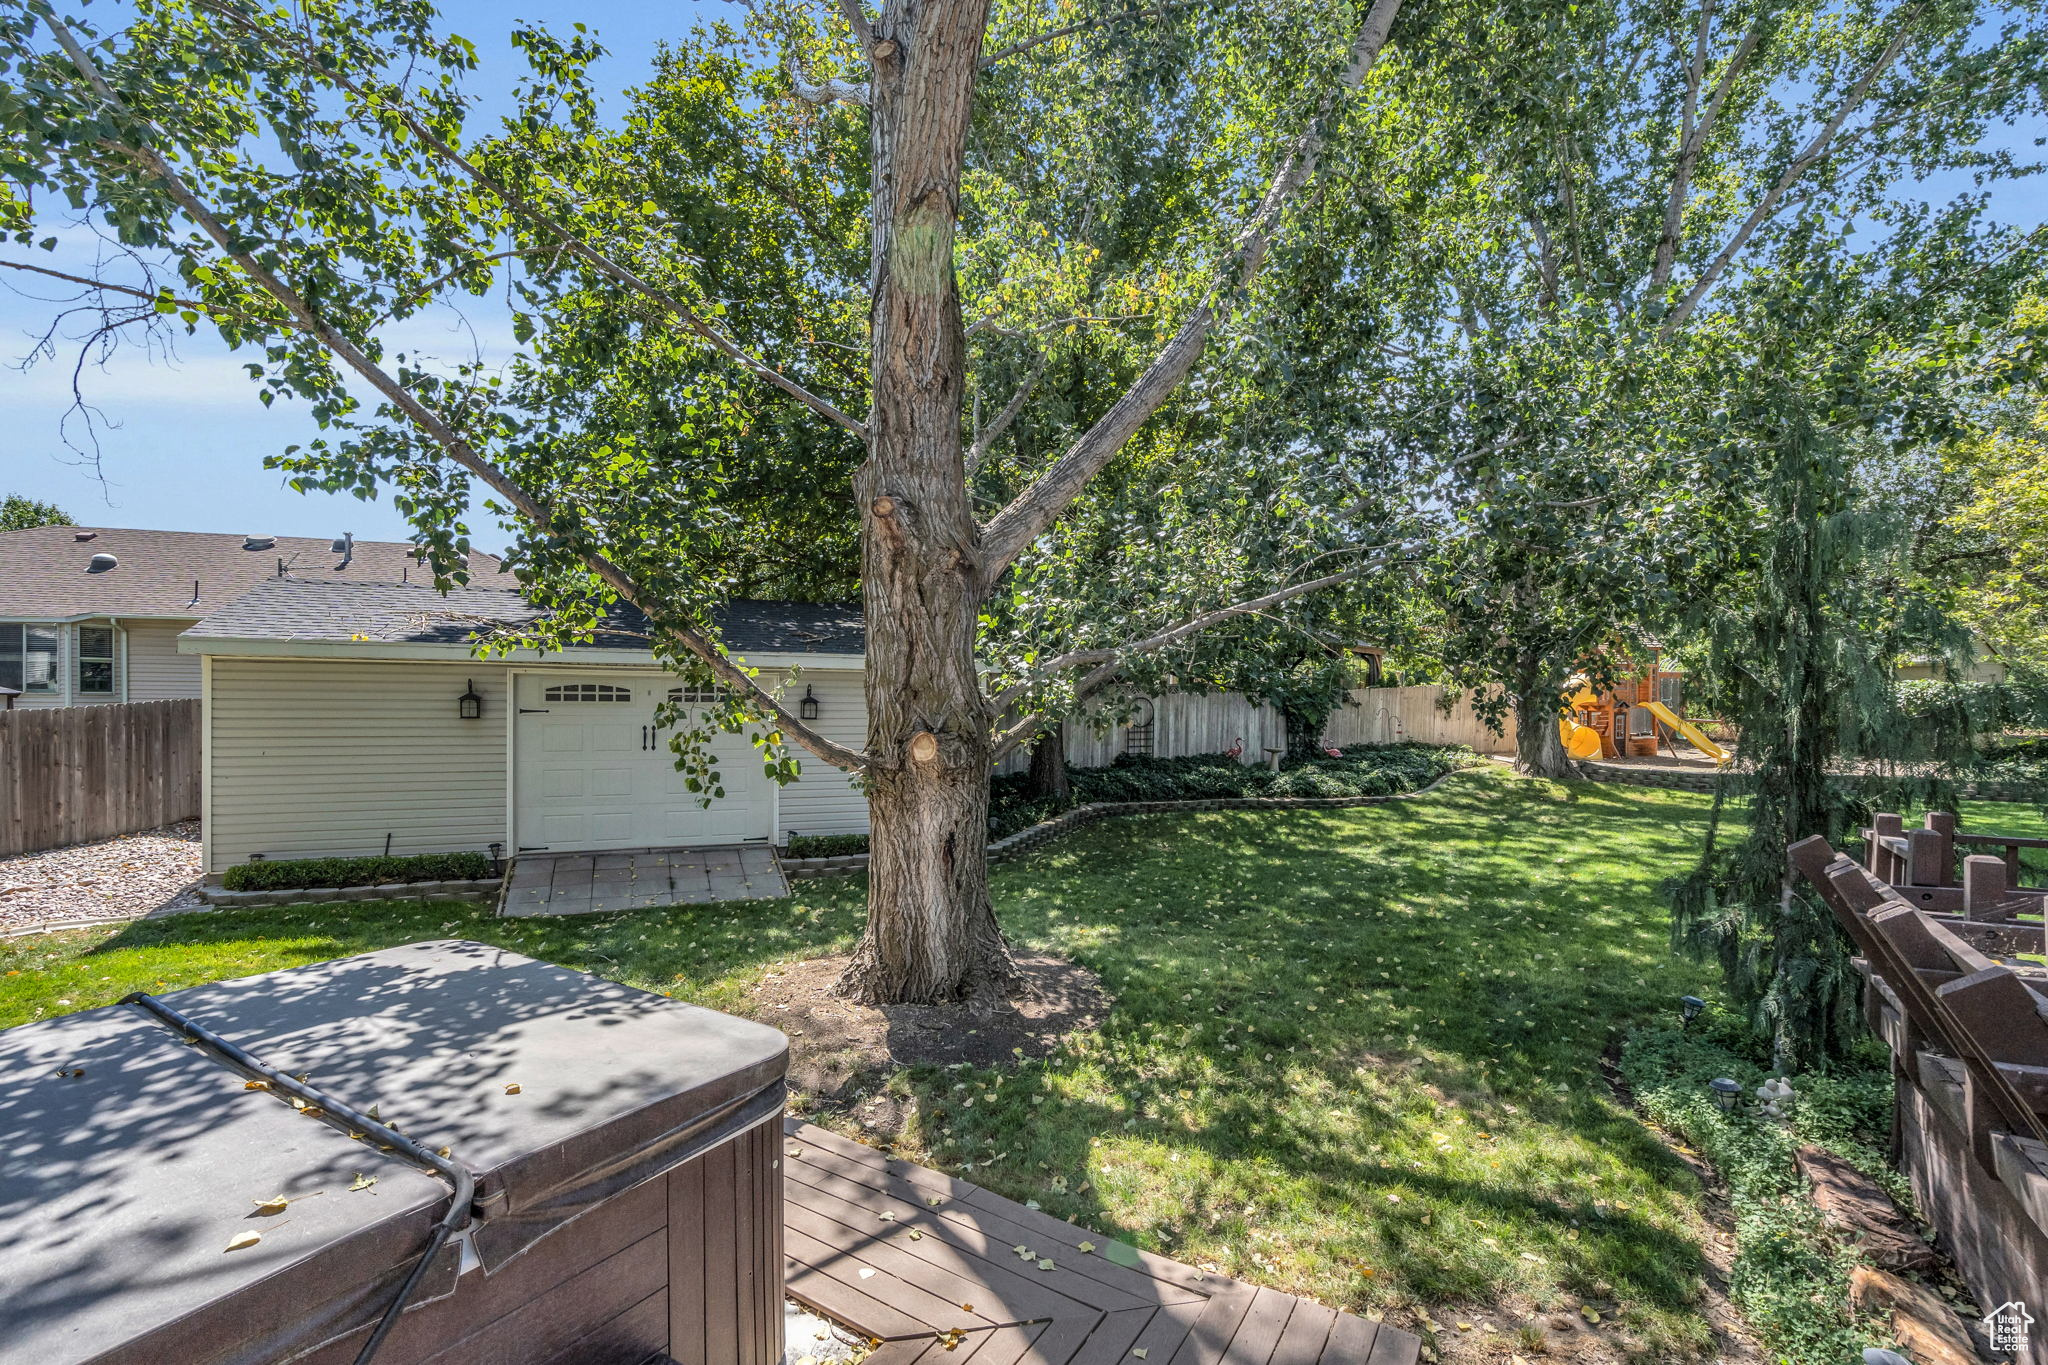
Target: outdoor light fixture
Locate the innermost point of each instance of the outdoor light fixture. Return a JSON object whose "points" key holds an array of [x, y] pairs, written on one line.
{"points": [[808, 707], [1689, 1007], [470, 705], [1726, 1093]]}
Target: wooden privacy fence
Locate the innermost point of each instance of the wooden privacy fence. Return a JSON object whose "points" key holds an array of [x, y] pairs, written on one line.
{"points": [[1186, 723], [73, 773], [1416, 715]]}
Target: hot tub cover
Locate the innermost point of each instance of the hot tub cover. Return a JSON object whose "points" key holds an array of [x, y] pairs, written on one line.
{"points": [[121, 1188]]}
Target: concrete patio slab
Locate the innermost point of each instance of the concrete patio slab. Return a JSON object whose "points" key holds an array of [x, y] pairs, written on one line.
{"points": [[639, 879]]}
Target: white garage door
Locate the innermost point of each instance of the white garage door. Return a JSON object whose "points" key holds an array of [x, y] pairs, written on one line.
{"points": [[593, 772]]}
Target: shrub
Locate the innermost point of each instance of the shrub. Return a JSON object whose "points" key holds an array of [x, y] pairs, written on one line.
{"points": [[295, 874], [826, 845], [1361, 770]]}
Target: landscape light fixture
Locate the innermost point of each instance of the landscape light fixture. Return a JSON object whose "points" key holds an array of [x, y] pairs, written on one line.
{"points": [[470, 705], [808, 707], [1726, 1093], [1689, 1007]]}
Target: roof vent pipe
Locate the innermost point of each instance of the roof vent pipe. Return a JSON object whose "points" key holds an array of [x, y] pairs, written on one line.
{"points": [[100, 563], [83, 535], [259, 542]]}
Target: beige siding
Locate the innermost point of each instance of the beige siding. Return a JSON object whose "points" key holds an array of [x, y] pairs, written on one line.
{"points": [[312, 758], [824, 800], [156, 670]]}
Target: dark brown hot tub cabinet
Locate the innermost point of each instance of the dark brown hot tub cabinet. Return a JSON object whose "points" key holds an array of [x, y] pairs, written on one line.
{"points": [[625, 1149]]}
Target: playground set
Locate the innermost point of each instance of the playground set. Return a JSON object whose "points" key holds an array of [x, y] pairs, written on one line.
{"points": [[1632, 719]]}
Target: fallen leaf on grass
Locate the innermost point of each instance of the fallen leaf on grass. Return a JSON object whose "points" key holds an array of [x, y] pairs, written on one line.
{"points": [[1588, 1314], [243, 1239]]}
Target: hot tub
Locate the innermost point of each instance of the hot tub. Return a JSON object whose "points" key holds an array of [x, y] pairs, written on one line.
{"points": [[624, 1148]]}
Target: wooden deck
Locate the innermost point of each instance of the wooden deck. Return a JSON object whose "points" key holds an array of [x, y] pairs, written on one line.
{"points": [[931, 1267]]}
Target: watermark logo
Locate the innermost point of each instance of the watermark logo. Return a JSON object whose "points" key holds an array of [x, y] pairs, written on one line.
{"points": [[2006, 1326]]}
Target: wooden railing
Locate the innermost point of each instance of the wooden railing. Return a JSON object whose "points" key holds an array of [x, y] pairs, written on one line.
{"points": [[74, 773]]}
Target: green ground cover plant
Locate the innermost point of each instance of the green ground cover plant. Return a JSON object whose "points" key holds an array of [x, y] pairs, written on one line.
{"points": [[1790, 1276]]}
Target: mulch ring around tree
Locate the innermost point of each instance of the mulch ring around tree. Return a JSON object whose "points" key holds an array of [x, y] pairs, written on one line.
{"points": [[835, 1044]]}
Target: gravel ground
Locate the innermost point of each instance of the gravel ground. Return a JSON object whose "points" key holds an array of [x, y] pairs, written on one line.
{"points": [[127, 877]]}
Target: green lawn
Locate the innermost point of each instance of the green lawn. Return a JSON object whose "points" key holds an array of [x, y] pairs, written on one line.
{"points": [[1354, 1053]]}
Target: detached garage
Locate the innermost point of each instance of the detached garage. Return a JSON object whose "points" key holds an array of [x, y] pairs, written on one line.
{"points": [[343, 719]]}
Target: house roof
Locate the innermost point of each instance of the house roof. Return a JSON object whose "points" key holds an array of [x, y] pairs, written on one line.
{"points": [[344, 612], [46, 572]]}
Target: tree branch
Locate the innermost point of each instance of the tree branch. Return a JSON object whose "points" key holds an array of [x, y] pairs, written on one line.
{"points": [[1109, 662], [576, 246], [431, 423], [1768, 205], [987, 439], [1054, 35], [200, 305], [1696, 125], [1039, 505], [829, 91], [857, 20]]}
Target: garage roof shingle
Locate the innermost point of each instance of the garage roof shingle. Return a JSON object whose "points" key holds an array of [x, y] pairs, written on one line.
{"points": [[407, 613]]}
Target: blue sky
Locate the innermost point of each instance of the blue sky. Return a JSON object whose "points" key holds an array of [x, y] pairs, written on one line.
{"points": [[183, 438]]}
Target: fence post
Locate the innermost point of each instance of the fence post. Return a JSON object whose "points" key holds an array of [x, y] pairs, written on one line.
{"points": [[1923, 857], [1943, 823], [1984, 888]]}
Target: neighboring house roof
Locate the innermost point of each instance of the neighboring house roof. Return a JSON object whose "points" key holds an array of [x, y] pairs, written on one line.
{"points": [[47, 572], [298, 611]]}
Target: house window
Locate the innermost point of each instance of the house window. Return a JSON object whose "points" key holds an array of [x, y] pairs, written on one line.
{"points": [[588, 692], [28, 657], [96, 660], [698, 696]]}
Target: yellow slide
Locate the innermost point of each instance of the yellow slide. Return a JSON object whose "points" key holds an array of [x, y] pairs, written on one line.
{"points": [[1685, 727], [1580, 741]]}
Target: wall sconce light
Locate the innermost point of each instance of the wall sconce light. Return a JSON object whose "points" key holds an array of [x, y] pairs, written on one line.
{"points": [[1726, 1093], [1689, 1007], [470, 705], [807, 709]]}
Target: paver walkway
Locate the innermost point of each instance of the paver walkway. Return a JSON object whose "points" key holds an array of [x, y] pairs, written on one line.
{"points": [[639, 879], [930, 1266]]}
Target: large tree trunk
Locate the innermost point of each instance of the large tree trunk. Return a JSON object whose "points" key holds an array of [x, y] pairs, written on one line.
{"points": [[1049, 766], [1539, 749], [931, 933]]}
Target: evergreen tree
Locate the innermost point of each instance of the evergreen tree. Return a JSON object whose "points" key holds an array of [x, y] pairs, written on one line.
{"points": [[1845, 370]]}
